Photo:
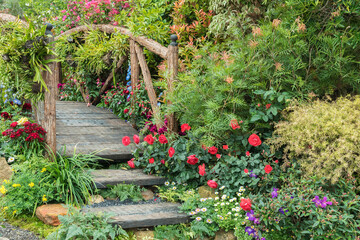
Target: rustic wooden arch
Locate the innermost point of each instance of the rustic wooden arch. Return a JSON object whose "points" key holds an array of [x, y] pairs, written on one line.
{"points": [[137, 61]]}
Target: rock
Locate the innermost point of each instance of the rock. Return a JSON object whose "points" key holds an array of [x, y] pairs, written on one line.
{"points": [[49, 213], [3, 238], [222, 235], [147, 195], [96, 199], [206, 191], [5, 170], [144, 235]]}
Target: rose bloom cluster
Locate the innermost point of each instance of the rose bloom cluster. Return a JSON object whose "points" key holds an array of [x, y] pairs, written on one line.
{"points": [[23, 127]]}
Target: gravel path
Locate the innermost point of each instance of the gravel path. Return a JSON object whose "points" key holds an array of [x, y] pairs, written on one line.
{"points": [[14, 233]]}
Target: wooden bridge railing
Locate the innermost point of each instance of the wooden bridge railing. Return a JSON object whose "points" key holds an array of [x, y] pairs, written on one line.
{"points": [[137, 61]]}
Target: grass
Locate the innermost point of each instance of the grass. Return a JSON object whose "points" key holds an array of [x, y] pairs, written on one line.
{"points": [[32, 224]]}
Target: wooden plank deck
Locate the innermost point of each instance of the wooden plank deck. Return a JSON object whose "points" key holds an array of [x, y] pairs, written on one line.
{"points": [[105, 177], [144, 215], [91, 129]]}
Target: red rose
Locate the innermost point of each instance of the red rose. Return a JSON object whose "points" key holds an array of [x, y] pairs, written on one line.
{"points": [[171, 152], [276, 161], [192, 160], [14, 124], [202, 169], [258, 105], [26, 106], [162, 139], [126, 140], [136, 139], [246, 170], [268, 106], [268, 169], [204, 147], [212, 184], [162, 161], [213, 150], [218, 156], [131, 163], [225, 147], [185, 127], [254, 140], [5, 115], [234, 124], [149, 139], [245, 204], [247, 153], [151, 160], [126, 111]]}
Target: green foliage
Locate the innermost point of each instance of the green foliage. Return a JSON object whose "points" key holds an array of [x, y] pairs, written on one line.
{"points": [[294, 212], [123, 192], [28, 188], [175, 193], [23, 52], [175, 232], [323, 135], [80, 225], [72, 178]]}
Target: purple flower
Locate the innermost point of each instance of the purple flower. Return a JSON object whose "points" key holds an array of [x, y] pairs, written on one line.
{"points": [[281, 210], [321, 202], [249, 230], [256, 221], [251, 215], [253, 175], [274, 193], [263, 238]]}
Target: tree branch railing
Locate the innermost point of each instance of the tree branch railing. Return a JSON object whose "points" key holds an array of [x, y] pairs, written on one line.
{"points": [[137, 61]]}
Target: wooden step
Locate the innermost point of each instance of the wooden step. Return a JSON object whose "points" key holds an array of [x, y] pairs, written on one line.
{"points": [[144, 215], [136, 176]]}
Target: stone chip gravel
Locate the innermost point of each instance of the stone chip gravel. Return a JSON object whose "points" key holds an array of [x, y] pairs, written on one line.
{"points": [[15, 233]]}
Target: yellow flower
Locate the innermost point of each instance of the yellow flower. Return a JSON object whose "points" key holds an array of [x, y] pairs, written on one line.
{"points": [[43, 170], [16, 185], [22, 121], [2, 189], [14, 212], [6, 181], [44, 199], [5, 208], [31, 184]]}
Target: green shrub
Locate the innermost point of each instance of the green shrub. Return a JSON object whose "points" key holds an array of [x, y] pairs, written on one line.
{"points": [[123, 192], [324, 136], [77, 225]]}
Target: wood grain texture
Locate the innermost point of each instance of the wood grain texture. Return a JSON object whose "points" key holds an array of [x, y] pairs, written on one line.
{"points": [[10, 18], [112, 177], [144, 215], [173, 66], [150, 44]]}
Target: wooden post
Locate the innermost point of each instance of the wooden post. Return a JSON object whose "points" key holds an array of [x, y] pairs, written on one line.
{"points": [[135, 73], [173, 66], [148, 83], [51, 79]]}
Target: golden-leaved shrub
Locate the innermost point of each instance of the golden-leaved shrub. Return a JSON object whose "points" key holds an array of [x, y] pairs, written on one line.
{"points": [[324, 136]]}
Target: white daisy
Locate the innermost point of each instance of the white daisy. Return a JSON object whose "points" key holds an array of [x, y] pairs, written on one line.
{"points": [[173, 183], [198, 219], [208, 220], [203, 209], [222, 188], [11, 159], [167, 183], [174, 188]]}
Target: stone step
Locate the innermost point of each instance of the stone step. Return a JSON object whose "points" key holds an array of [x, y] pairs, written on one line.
{"points": [[105, 177], [144, 215]]}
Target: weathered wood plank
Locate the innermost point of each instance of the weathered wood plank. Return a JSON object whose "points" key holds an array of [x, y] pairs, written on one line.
{"points": [[144, 215], [173, 66], [112, 177], [66, 130], [92, 123], [60, 115]]}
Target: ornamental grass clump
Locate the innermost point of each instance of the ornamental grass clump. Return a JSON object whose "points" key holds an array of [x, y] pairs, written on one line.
{"points": [[324, 136]]}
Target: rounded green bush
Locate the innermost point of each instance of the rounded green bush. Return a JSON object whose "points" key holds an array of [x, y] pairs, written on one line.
{"points": [[324, 136]]}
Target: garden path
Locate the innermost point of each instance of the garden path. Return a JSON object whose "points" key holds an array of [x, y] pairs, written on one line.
{"points": [[91, 129]]}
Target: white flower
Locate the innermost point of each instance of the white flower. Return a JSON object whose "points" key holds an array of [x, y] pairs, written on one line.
{"points": [[216, 193], [223, 196], [198, 219], [11, 159], [203, 209], [202, 199], [229, 213], [239, 194], [197, 210], [217, 198], [241, 189], [227, 203], [231, 200], [208, 220], [222, 188], [174, 188], [221, 217], [210, 198], [189, 192], [216, 204], [167, 183], [192, 213], [185, 184], [243, 223], [216, 209], [173, 183], [236, 214], [222, 204]]}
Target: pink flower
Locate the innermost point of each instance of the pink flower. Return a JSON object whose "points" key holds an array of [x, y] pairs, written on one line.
{"points": [[192, 160], [213, 150], [14, 124], [149, 139], [212, 184], [246, 170], [185, 127], [202, 169], [254, 140], [218, 156], [171, 152], [136, 139], [248, 153], [162, 161], [131, 163]]}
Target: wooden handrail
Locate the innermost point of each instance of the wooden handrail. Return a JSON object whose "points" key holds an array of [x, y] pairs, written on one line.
{"points": [[150, 44], [10, 18]]}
